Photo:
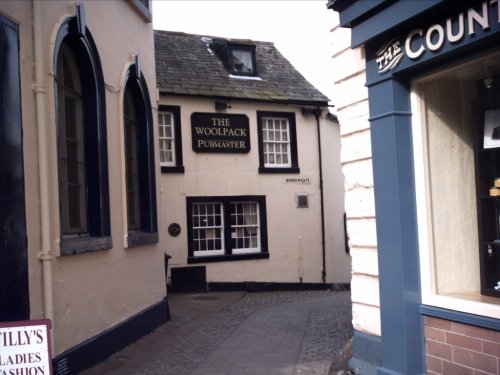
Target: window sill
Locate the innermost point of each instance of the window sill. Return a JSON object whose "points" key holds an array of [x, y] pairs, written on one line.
{"points": [[279, 170], [79, 245], [227, 258], [472, 303], [176, 169], [135, 239]]}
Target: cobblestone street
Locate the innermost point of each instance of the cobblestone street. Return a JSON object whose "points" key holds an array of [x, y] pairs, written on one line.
{"points": [[282, 333]]}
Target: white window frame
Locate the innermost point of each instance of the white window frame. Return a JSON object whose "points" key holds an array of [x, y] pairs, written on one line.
{"points": [[202, 253], [235, 229], [267, 142], [468, 303], [161, 123]]}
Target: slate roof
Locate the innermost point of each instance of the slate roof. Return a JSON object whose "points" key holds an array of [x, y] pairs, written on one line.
{"points": [[187, 64]]}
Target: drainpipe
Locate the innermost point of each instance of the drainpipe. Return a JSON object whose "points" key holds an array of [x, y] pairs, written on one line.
{"points": [[45, 254], [317, 113]]}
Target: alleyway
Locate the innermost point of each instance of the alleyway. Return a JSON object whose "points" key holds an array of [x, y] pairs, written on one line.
{"points": [[269, 333]]}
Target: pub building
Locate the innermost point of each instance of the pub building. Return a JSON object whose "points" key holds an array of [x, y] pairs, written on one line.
{"points": [[424, 90], [251, 185]]}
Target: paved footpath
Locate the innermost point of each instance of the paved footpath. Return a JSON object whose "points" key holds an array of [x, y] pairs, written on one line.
{"points": [[237, 333]]}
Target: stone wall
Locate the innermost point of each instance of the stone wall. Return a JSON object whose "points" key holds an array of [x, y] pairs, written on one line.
{"points": [[351, 103]]}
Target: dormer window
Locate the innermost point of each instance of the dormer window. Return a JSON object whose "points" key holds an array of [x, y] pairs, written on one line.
{"points": [[242, 60]]}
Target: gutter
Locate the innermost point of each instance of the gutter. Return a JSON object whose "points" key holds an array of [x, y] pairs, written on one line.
{"points": [[317, 114], [45, 254], [316, 103]]}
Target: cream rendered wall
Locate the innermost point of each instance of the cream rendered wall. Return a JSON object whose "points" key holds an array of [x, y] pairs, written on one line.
{"points": [[223, 174], [92, 291], [21, 13], [337, 260], [351, 102]]}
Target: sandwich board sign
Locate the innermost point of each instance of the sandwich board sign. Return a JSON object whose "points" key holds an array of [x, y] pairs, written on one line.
{"points": [[25, 348]]}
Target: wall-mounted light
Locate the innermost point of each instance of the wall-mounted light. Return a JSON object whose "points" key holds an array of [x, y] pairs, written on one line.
{"points": [[221, 105]]}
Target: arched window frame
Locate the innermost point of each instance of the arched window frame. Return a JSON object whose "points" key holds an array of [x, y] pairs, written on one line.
{"points": [[75, 36], [145, 231]]}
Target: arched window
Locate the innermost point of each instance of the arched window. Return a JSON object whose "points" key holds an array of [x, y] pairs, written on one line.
{"points": [[81, 140], [139, 161], [72, 165]]}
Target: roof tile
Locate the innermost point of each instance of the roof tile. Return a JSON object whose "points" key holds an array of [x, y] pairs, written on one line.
{"points": [[186, 64]]}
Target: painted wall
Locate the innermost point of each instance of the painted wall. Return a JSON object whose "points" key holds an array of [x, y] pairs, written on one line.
{"points": [[92, 291], [351, 102], [294, 234]]}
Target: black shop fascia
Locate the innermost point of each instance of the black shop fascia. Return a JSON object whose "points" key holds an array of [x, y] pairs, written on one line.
{"points": [[220, 133]]}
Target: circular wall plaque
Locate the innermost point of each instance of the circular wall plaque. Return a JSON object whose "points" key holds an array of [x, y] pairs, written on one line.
{"points": [[174, 229]]}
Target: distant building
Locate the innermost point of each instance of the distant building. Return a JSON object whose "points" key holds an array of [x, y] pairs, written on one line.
{"points": [[249, 198], [419, 109], [79, 216]]}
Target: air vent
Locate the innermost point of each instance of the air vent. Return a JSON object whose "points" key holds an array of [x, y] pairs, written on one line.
{"points": [[302, 200]]}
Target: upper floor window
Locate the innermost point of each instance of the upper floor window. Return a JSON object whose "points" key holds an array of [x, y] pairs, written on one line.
{"points": [[277, 142], [242, 59], [170, 139], [81, 140], [139, 161]]}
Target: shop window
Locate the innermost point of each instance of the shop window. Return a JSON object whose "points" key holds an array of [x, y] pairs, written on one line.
{"points": [[81, 141], [277, 143], [139, 162], [227, 228], [169, 124], [457, 162], [242, 59]]}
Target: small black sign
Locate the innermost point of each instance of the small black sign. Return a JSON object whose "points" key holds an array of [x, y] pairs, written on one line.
{"points": [[220, 132]]}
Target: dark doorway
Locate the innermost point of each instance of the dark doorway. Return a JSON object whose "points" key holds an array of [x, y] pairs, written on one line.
{"points": [[14, 288]]}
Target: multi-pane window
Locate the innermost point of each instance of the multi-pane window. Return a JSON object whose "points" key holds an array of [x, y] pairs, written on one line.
{"points": [[132, 163], [230, 227], [169, 130], [277, 143], [167, 138], [245, 227], [208, 229], [72, 161], [81, 141], [139, 161]]}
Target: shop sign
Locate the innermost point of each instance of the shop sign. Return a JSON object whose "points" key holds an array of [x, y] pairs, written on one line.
{"points": [[454, 30], [220, 132], [25, 348]]}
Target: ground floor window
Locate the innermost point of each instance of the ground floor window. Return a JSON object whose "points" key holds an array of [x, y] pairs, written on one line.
{"points": [[227, 228], [457, 166]]}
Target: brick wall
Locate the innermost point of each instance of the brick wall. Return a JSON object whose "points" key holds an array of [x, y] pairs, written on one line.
{"points": [[459, 349]]}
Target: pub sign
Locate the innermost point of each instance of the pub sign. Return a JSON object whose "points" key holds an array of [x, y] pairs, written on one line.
{"points": [[220, 132]]}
